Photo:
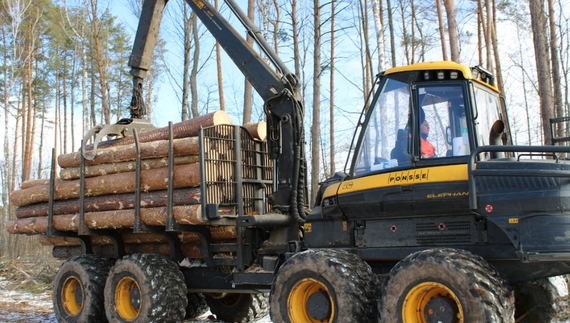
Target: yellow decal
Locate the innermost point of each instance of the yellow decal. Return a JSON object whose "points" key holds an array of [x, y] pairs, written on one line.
{"points": [[308, 227], [199, 3], [410, 176], [437, 174], [513, 221], [450, 194], [344, 226], [347, 186]]}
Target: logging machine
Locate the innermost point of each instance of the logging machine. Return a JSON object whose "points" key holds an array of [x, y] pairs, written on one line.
{"points": [[437, 217]]}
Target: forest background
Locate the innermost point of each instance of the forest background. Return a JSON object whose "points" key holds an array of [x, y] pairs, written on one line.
{"points": [[63, 70]]}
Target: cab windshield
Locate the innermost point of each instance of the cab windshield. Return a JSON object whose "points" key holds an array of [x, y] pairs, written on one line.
{"points": [[405, 126]]}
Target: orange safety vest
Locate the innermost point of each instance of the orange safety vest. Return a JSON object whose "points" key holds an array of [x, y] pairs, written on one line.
{"points": [[427, 148]]}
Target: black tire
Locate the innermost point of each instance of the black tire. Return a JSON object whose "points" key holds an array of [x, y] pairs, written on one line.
{"points": [[447, 284], [238, 307], [196, 305], [324, 286], [144, 288], [543, 300], [78, 289]]}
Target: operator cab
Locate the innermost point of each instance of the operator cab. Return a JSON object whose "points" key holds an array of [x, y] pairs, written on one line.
{"points": [[422, 116], [414, 144]]}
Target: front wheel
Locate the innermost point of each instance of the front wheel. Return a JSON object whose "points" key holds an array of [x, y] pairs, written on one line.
{"points": [[145, 288], [445, 285], [78, 289], [319, 285]]}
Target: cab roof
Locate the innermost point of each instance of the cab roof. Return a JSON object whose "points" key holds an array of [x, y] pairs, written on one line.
{"points": [[466, 71]]}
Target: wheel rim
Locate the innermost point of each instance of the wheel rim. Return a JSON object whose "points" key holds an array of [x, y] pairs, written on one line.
{"points": [[310, 301], [127, 299], [72, 296], [432, 302]]}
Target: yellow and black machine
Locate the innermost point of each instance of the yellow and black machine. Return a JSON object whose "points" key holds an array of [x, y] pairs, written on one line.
{"points": [[437, 217]]}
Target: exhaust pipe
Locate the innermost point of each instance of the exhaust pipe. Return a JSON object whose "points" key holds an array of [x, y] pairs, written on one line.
{"points": [[496, 138]]}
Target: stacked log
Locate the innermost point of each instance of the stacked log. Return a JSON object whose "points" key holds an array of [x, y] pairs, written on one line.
{"points": [[109, 187]]}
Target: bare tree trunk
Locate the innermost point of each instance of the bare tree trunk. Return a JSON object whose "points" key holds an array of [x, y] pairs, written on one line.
{"points": [[99, 60], [480, 29], [41, 145], [186, 68], [219, 65], [195, 64], [332, 91], [64, 98], [248, 93], [379, 27], [276, 24], [413, 31], [92, 98], [452, 30], [392, 37], [295, 29], [558, 105], [316, 127], [405, 33], [488, 35], [28, 129], [538, 24], [441, 30]]}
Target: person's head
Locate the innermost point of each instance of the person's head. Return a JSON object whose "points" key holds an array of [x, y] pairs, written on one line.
{"points": [[424, 128]]}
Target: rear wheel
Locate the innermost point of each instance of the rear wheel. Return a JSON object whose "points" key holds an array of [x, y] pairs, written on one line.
{"points": [[324, 286], [78, 289], [543, 300], [145, 288], [445, 285], [196, 305], [238, 307]]}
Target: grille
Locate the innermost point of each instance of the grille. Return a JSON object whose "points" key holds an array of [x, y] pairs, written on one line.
{"points": [[236, 170], [444, 232]]}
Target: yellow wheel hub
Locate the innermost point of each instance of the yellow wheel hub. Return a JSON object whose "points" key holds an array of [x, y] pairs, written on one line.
{"points": [[72, 296], [127, 299], [433, 301], [310, 302]]}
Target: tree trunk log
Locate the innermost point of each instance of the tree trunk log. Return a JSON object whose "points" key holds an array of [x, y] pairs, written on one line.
{"points": [[219, 233], [154, 149], [188, 250], [118, 219], [183, 196], [123, 167], [36, 182], [151, 180], [257, 130], [188, 128]]}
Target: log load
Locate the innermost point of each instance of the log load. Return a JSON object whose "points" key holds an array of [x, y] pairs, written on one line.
{"points": [[110, 182], [107, 169], [155, 149], [188, 128], [151, 180], [184, 196]]}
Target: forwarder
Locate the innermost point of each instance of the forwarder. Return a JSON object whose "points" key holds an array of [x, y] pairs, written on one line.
{"points": [[399, 236]]}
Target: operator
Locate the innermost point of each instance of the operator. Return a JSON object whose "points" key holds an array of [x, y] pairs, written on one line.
{"points": [[428, 150]]}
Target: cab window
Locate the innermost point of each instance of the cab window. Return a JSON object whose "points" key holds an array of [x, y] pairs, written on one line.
{"points": [[488, 107], [387, 137], [442, 122]]}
